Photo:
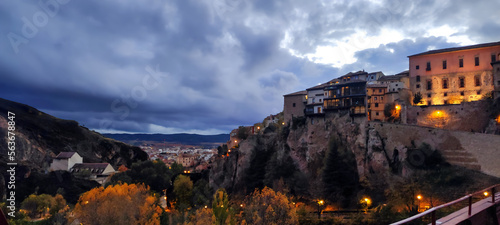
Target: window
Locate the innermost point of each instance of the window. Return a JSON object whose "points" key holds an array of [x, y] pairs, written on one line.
{"points": [[379, 90], [376, 113], [429, 84], [376, 105], [375, 98], [320, 100], [418, 78], [477, 80], [428, 68], [293, 105], [428, 95], [460, 63], [461, 82], [462, 93], [493, 58], [445, 83], [417, 67], [476, 61], [418, 85], [444, 64], [478, 92], [381, 98], [445, 94]]}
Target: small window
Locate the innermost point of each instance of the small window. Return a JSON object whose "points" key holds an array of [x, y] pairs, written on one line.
{"points": [[375, 98], [381, 98], [493, 58], [478, 92], [445, 94], [429, 84], [462, 93], [396, 85], [376, 105], [444, 64], [460, 63], [445, 83], [418, 85], [376, 113], [428, 95], [428, 68], [418, 78], [320, 100], [476, 61], [417, 67], [477, 80], [379, 90], [461, 82], [293, 105]]}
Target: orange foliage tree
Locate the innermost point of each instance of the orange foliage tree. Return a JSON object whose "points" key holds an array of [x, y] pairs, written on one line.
{"points": [[118, 204], [269, 207]]}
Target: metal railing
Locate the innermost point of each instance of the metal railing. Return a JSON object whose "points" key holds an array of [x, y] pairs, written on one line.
{"points": [[433, 210]]}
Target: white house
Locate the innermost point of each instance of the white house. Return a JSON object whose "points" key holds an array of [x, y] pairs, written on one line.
{"points": [[65, 160]]}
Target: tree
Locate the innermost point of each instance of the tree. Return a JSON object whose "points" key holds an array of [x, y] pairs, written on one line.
{"points": [[242, 133], [269, 207], [202, 216], [118, 204], [220, 206], [37, 205], [417, 98], [183, 190]]}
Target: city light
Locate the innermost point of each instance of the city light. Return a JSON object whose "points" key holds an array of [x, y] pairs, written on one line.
{"points": [[398, 107], [419, 197], [486, 193], [321, 202]]}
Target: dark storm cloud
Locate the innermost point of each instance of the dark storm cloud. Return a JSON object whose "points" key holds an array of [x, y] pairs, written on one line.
{"points": [[196, 66]]}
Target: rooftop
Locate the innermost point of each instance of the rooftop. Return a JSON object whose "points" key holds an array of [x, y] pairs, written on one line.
{"points": [[484, 45], [297, 93], [65, 155]]}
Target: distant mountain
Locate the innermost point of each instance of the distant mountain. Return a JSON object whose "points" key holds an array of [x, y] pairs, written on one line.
{"points": [[186, 139]]}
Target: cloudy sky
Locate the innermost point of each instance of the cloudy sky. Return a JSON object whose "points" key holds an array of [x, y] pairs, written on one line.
{"points": [[209, 66]]}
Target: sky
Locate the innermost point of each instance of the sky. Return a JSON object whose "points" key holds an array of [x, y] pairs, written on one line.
{"points": [[207, 67]]}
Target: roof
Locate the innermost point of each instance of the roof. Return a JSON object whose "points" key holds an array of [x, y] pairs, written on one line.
{"points": [[484, 45], [404, 73], [65, 155], [319, 86], [297, 93], [361, 72], [90, 165], [391, 77]]}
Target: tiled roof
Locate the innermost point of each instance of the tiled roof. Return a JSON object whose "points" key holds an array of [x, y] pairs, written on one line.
{"points": [[65, 155], [297, 93], [320, 86], [491, 44]]}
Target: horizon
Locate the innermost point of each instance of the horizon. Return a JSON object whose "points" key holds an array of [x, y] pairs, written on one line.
{"points": [[209, 67]]}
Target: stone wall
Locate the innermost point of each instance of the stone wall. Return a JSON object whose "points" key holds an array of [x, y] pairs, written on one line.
{"points": [[469, 116], [471, 150]]}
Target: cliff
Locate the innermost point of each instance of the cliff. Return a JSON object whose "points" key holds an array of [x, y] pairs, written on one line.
{"points": [[342, 158]]}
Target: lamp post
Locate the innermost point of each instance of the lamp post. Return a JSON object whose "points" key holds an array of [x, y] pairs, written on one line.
{"points": [[320, 203], [419, 197]]}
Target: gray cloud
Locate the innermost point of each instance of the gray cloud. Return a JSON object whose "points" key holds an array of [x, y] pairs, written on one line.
{"points": [[222, 62]]}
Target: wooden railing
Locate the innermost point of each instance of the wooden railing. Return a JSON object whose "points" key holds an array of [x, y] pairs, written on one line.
{"points": [[433, 210]]}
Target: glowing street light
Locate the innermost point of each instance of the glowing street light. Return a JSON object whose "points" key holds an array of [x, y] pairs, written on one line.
{"points": [[320, 203], [486, 193], [398, 107], [419, 197]]}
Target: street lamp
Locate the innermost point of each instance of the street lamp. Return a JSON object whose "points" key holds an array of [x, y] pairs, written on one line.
{"points": [[320, 203], [419, 197]]}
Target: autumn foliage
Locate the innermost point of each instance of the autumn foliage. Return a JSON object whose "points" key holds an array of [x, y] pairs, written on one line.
{"points": [[269, 207], [118, 204]]}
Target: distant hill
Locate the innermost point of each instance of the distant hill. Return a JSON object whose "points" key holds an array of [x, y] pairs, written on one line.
{"points": [[185, 139], [40, 137]]}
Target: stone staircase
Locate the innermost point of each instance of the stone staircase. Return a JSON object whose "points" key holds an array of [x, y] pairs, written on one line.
{"points": [[461, 158]]}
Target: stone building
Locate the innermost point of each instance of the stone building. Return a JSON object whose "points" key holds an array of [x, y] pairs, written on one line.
{"points": [[295, 105], [348, 94], [376, 100], [454, 75], [65, 161], [496, 77]]}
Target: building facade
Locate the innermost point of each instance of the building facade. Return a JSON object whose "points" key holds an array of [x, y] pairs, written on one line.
{"points": [[454, 75], [65, 161], [294, 105], [375, 101], [348, 94]]}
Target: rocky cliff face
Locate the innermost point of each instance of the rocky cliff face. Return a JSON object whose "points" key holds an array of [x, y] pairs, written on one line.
{"points": [[40, 137], [299, 156]]}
